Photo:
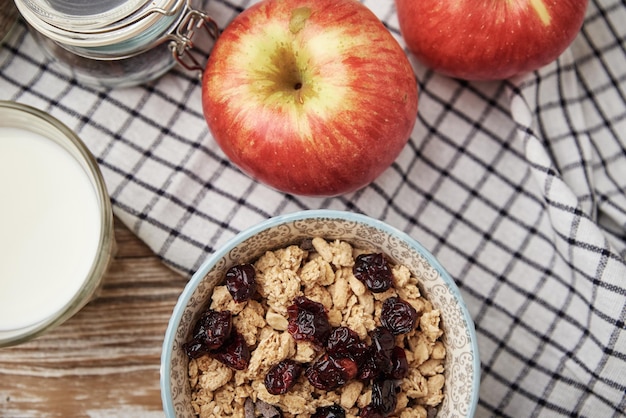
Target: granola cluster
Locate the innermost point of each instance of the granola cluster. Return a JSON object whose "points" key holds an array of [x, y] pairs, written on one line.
{"points": [[321, 271]]}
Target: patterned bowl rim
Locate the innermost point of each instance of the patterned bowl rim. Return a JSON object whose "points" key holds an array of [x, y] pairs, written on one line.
{"points": [[212, 260]]}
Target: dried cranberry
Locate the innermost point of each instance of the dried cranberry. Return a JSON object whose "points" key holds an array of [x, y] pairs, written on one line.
{"points": [[241, 282], [307, 244], [195, 349], [308, 321], [234, 353], [328, 373], [376, 365], [210, 332], [398, 316], [382, 339], [282, 376], [400, 364], [374, 271], [370, 412], [378, 361], [384, 396], [344, 342], [331, 411], [368, 369]]}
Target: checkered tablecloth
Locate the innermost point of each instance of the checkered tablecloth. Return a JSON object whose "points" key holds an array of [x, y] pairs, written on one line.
{"points": [[517, 187]]}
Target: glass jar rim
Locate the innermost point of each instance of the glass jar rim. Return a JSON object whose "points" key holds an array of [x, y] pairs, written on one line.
{"points": [[117, 25]]}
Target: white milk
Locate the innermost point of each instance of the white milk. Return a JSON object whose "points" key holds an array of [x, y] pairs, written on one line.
{"points": [[49, 228]]}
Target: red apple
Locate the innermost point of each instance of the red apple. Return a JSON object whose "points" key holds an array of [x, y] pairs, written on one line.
{"points": [[489, 39], [311, 97]]}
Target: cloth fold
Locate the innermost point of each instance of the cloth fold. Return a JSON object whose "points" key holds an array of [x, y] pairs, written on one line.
{"points": [[518, 187]]}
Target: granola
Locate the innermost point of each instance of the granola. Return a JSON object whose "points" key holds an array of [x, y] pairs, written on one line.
{"points": [[321, 271]]}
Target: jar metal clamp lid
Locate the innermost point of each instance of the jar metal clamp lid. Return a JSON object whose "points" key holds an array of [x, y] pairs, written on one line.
{"points": [[80, 32], [182, 45]]}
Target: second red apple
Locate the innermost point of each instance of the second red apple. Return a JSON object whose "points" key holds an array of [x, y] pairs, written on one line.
{"points": [[489, 39]]}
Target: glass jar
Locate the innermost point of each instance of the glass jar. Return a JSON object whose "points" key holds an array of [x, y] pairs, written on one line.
{"points": [[118, 43], [56, 220], [8, 14]]}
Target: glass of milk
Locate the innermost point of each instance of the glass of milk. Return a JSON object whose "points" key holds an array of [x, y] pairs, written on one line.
{"points": [[56, 223]]}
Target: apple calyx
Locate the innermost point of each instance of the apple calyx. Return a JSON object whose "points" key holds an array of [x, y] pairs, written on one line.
{"points": [[284, 78]]}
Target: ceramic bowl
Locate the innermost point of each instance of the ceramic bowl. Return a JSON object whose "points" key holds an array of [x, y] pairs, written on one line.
{"points": [[462, 366]]}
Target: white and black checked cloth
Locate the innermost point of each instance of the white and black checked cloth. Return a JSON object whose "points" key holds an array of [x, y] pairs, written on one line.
{"points": [[517, 187]]}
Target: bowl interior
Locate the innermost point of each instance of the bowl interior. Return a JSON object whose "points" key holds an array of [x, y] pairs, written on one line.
{"points": [[462, 366]]}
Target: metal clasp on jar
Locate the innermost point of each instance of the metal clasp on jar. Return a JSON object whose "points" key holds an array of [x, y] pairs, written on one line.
{"points": [[184, 47]]}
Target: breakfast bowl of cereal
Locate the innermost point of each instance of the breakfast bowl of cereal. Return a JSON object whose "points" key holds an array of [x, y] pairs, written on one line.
{"points": [[320, 314]]}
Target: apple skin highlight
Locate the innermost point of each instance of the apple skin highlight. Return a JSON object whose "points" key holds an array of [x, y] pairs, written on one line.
{"points": [[489, 39], [310, 97]]}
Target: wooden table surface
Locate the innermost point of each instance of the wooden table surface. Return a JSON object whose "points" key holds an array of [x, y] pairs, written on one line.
{"points": [[103, 362]]}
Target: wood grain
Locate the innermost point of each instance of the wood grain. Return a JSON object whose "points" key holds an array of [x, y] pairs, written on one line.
{"points": [[103, 362]]}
